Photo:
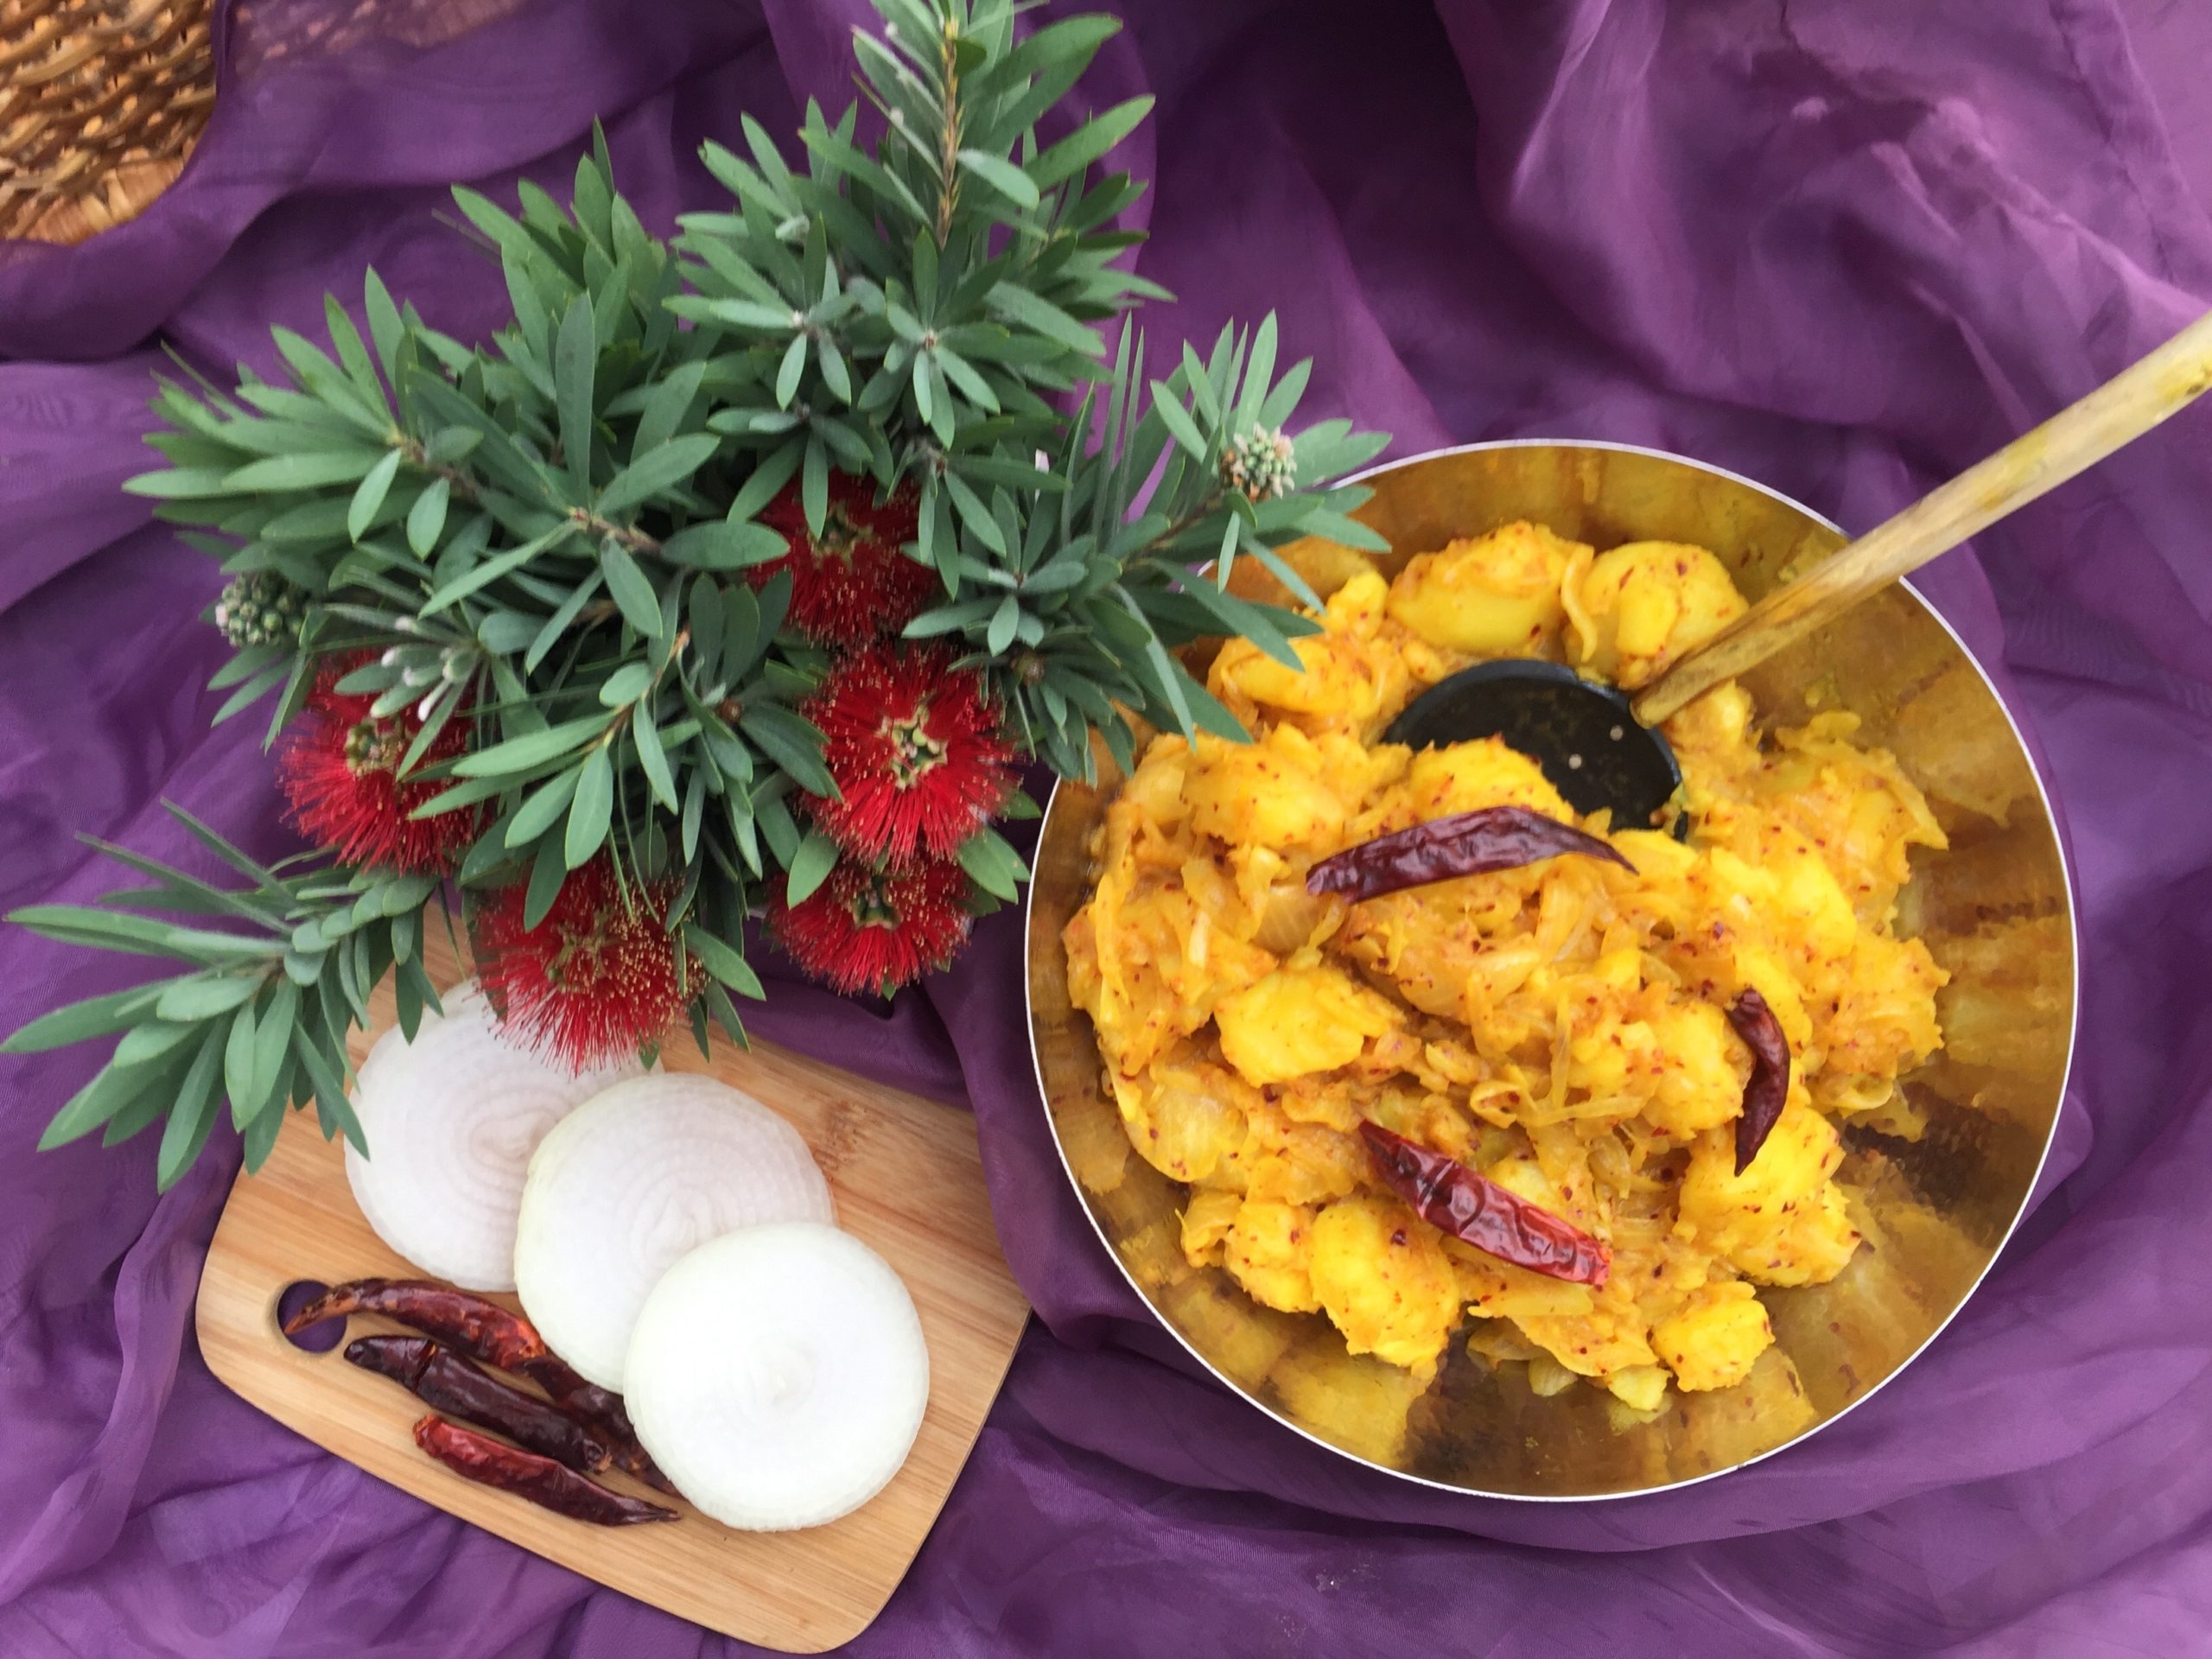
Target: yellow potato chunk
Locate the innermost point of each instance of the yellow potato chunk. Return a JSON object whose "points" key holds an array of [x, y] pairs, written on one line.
{"points": [[1642, 605], [1494, 596], [1267, 1249], [1811, 1247], [1299, 1020], [1269, 793], [1467, 777], [1714, 1339], [1640, 1388], [1383, 1277], [1345, 672], [1702, 1067], [1731, 1211]]}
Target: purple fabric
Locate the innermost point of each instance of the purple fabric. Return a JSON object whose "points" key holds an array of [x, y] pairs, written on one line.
{"points": [[1843, 249]]}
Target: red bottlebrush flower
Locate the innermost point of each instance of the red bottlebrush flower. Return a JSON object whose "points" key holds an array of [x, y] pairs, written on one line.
{"points": [[871, 929], [596, 979], [338, 770], [851, 583], [916, 749]]}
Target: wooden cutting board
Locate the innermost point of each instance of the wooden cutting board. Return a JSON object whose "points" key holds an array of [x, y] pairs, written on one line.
{"points": [[907, 1179]]}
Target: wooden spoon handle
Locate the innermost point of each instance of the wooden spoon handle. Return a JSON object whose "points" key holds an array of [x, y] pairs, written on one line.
{"points": [[2116, 413]]}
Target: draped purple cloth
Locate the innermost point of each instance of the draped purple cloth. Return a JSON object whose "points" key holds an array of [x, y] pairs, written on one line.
{"points": [[1843, 248]]}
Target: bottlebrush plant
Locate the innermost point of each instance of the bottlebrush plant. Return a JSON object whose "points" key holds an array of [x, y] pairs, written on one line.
{"points": [[733, 577]]}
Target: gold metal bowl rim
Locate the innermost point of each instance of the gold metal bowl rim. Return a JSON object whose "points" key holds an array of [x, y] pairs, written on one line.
{"points": [[2073, 1017]]}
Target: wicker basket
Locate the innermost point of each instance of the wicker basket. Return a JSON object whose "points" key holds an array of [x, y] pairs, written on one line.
{"points": [[100, 102]]}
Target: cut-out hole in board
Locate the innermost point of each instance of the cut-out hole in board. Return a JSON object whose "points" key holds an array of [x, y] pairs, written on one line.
{"points": [[318, 1339]]}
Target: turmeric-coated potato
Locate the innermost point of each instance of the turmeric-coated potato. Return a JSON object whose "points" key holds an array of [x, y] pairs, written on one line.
{"points": [[1267, 1250], [1732, 1211], [1382, 1276], [1713, 1341], [1641, 605], [1494, 596], [1268, 793], [1299, 1020]]}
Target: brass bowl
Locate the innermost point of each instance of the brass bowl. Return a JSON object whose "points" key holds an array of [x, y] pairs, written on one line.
{"points": [[1994, 910]]}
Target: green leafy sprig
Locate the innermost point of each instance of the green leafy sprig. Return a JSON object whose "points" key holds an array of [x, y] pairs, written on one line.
{"points": [[543, 543]]}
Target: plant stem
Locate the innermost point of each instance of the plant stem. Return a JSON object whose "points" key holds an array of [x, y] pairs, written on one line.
{"points": [[948, 144]]}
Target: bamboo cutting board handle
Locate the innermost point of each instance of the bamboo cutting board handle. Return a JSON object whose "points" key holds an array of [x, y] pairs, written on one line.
{"points": [[2115, 414]]}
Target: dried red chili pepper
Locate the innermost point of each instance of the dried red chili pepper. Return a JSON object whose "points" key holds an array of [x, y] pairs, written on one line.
{"points": [[446, 1383], [543, 1482], [604, 1409], [1768, 1086], [1466, 843], [1453, 1198], [474, 1325], [492, 1336]]}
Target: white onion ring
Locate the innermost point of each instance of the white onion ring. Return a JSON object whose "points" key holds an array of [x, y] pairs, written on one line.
{"points": [[778, 1376], [451, 1120], [627, 1185]]}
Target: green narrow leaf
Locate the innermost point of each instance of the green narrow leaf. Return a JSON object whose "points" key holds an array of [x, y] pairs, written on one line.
{"points": [[95, 1016], [203, 999], [150, 1040], [272, 1033], [629, 588], [530, 749], [721, 545], [239, 1053], [370, 495], [547, 874], [652, 759], [810, 867], [331, 1103], [792, 741], [592, 810], [541, 809], [788, 372], [135, 1118], [660, 469], [1172, 414], [260, 1138], [627, 684], [724, 963], [281, 474], [385, 327], [492, 569], [695, 809], [426, 519], [765, 482], [991, 864], [1002, 175], [574, 354], [814, 485], [1000, 635], [192, 1114], [665, 409]]}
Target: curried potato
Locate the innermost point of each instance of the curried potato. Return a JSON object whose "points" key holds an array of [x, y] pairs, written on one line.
{"points": [[1715, 1338], [1384, 1280], [1561, 1027], [1638, 607], [1494, 596], [1267, 1250], [1299, 1020]]}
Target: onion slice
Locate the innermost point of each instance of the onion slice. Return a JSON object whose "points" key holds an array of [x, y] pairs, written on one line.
{"points": [[624, 1187], [778, 1376], [451, 1120]]}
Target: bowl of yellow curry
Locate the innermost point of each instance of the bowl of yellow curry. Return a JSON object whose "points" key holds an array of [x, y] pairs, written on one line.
{"points": [[1452, 1177]]}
